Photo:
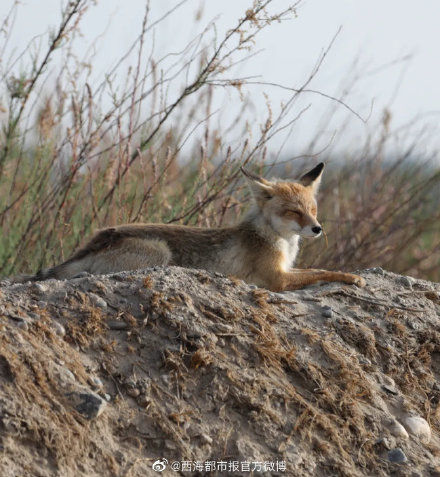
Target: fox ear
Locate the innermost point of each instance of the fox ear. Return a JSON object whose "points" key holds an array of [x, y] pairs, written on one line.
{"points": [[260, 188], [313, 177]]}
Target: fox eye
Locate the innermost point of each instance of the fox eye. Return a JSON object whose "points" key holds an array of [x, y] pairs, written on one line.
{"points": [[292, 213]]}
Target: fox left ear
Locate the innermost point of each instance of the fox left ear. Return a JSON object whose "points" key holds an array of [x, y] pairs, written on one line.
{"points": [[313, 177], [261, 188]]}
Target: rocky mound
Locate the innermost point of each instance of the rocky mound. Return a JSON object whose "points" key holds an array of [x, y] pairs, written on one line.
{"points": [[110, 375]]}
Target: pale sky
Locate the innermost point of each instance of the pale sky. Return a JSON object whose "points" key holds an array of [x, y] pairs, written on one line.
{"points": [[380, 33]]}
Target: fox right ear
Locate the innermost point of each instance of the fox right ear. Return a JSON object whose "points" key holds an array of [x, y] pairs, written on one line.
{"points": [[260, 188], [313, 177]]}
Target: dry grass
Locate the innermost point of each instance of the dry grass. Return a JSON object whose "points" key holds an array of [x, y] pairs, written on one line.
{"points": [[285, 385]]}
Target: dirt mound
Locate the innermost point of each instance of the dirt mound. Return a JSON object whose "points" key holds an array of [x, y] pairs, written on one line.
{"points": [[109, 375]]}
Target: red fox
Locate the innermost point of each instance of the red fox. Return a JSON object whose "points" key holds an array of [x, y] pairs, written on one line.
{"points": [[261, 249]]}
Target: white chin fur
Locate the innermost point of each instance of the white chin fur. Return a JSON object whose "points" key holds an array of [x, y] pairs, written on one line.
{"points": [[309, 235]]}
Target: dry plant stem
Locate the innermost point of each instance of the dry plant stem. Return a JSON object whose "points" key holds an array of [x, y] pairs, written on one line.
{"points": [[199, 82], [75, 8], [372, 300]]}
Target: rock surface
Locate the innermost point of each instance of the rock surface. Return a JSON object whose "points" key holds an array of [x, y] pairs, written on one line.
{"points": [[110, 375]]}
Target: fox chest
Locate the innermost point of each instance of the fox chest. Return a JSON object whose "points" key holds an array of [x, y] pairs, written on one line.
{"points": [[289, 250]]}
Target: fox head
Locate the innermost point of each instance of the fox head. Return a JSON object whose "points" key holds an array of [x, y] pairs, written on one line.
{"points": [[289, 207]]}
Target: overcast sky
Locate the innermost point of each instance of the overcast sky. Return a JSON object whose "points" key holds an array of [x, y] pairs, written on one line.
{"points": [[395, 41]]}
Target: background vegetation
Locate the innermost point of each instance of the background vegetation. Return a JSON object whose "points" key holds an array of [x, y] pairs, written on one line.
{"points": [[140, 145]]}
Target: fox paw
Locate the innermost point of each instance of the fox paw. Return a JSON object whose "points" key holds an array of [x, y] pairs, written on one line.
{"points": [[358, 281]]}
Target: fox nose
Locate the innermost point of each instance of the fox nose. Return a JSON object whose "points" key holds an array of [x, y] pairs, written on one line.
{"points": [[317, 229]]}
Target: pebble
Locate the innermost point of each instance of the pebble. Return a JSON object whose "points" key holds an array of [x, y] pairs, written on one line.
{"points": [[418, 427], [117, 325], [133, 392], [143, 400], [277, 296], [406, 281], [413, 324], [170, 445], [98, 301], [390, 389], [40, 287], [397, 430], [90, 404], [205, 438], [58, 328], [364, 360], [22, 324], [378, 271], [96, 382], [327, 311], [33, 315], [66, 377], [397, 456]]}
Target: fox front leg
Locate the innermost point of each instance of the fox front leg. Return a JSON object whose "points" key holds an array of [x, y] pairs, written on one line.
{"points": [[298, 278]]}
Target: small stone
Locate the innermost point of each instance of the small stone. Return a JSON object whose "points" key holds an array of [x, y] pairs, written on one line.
{"points": [[397, 430], [144, 384], [253, 287], [33, 315], [390, 389], [384, 442], [378, 271], [86, 402], [170, 445], [327, 311], [107, 397], [39, 287], [117, 325], [413, 324], [406, 281], [97, 300], [397, 456], [206, 438], [22, 324], [58, 328], [96, 382], [65, 376], [418, 427], [133, 392], [277, 296], [143, 400], [364, 360]]}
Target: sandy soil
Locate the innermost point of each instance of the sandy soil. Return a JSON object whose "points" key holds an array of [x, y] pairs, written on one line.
{"points": [[105, 375]]}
